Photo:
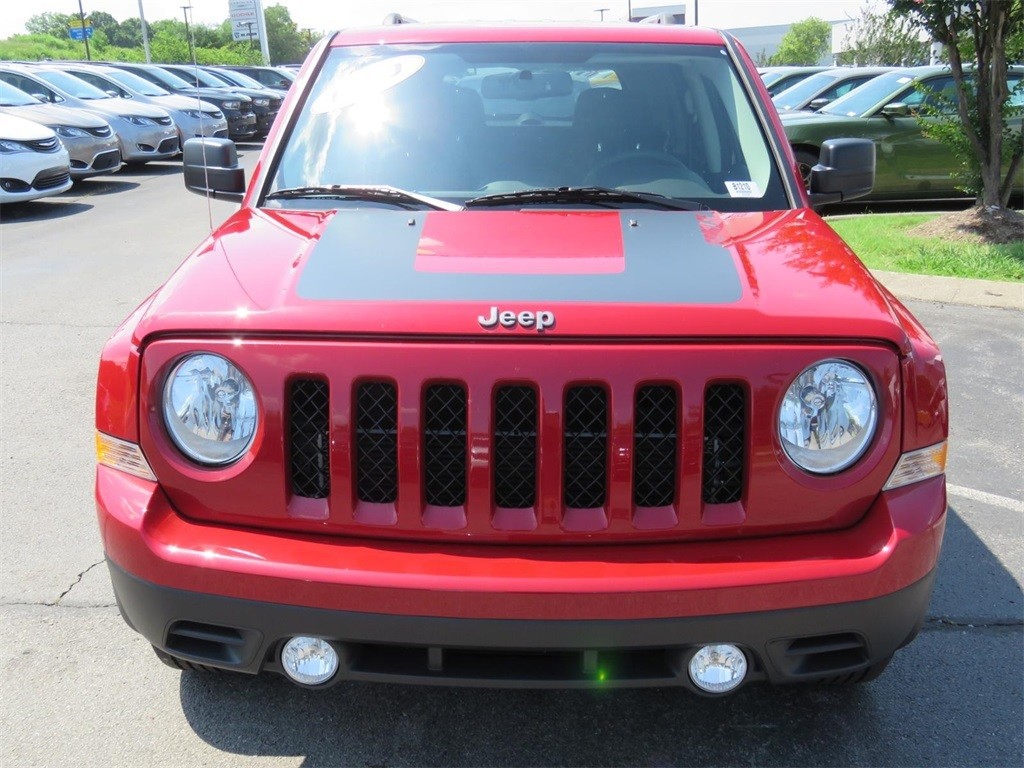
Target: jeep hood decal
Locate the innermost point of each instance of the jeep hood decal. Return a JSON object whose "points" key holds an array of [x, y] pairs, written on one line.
{"points": [[616, 257]]}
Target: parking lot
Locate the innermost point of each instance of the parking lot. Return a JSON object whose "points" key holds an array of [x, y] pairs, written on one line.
{"points": [[79, 687]]}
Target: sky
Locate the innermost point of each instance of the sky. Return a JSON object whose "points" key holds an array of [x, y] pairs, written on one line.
{"points": [[325, 15]]}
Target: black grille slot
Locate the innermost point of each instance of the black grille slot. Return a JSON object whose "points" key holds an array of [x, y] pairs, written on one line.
{"points": [[43, 145], [585, 441], [724, 443], [103, 130], [515, 447], [377, 443], [52, 178], [309, 439], [168, 145], [444, 445], [654, 446]]}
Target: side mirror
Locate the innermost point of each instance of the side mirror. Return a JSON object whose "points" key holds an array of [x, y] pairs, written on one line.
{"points": [[845, 171], [41, 97], [818, 103], [896, 109], [211, 168]]}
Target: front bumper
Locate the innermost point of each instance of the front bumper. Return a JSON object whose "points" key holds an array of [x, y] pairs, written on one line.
{"points": [[241, 126], [804, 607]]}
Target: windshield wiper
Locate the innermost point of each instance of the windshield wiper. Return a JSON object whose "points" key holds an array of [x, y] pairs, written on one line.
{"points": [[606, 196], [377, 194]]}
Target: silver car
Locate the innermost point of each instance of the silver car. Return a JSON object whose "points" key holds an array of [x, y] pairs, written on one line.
{"points": [[145, 133], [194, 118], [89, 139]]}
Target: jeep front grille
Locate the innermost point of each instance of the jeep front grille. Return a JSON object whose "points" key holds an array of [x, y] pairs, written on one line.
{"points": [[377, 443], [515, 447]]}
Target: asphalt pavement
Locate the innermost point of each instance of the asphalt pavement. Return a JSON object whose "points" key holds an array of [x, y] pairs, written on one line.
{"points": [[77, 687]]}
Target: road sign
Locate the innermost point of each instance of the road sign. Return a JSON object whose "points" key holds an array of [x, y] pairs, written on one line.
{"points": [[77, 33], [242, 10]]}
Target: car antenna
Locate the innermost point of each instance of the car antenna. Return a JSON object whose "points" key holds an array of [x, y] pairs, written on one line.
{"points": [[190, 35]]}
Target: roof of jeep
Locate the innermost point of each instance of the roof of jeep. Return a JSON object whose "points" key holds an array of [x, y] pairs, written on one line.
{"points": [[532, 33]]}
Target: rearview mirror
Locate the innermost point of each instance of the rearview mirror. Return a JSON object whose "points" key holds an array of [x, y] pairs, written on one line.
{"points": [[526, 85], [211, 168]]}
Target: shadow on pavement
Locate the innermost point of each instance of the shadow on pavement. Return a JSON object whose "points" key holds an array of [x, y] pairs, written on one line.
{"points": [[154, 168], [924, 710], [101, 185], [41, 210]]}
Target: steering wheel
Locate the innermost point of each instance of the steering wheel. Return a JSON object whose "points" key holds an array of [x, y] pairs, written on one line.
{"points": [[633, 167]]}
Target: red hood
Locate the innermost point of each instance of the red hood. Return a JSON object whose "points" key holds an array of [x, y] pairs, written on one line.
{"points": [[648, 274]]}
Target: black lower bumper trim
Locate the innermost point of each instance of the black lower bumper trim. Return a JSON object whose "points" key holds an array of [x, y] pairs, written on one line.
{"points": [[836, 642]]}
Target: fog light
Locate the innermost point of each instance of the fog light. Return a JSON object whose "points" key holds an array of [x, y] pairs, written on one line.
{"points": [[718, 668], [309, 660]]}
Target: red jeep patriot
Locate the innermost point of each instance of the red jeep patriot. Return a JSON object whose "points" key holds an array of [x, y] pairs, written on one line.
{"points": [[525, 361]]}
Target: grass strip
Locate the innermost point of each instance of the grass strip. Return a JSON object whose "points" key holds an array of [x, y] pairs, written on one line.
{"points": [[882, 241]]}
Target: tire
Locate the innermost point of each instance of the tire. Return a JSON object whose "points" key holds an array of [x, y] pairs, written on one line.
{"points": [[805, 161]]}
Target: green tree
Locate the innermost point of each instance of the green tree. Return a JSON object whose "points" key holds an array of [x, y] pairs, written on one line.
{"points": [[884, 39], [49, 23], [975, 34], [805, 43], [286, 43]]}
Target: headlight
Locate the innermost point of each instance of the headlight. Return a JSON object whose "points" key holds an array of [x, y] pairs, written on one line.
{"points": [[232, 105], [70, 132], [195, 114], [210, 409], [261, 102], [9, 147], [828, 417], [138, 119]]}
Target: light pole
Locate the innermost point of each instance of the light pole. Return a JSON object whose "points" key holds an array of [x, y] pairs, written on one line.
{"points": [[188, 35], [601, 11], [85, 37], [145, 33]]}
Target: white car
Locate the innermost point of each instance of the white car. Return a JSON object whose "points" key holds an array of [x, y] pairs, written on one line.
{"points": [[33, 162]]}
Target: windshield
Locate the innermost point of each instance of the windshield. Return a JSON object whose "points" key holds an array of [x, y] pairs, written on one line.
{"points": [[861, 100], [804, 90], [237, 78], [14, 97], [136, 83], [71, 85], [460, 121], [202, 78]]}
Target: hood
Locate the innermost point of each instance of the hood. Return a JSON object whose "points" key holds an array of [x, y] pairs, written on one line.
{"points": [[55, 114], [597, 274], [174, 101], [214, 95], [124, 107], [20, 129], [798, 117]]}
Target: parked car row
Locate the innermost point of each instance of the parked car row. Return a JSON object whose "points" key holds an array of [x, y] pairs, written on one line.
{"points": [[888, 106], [101, 115]]}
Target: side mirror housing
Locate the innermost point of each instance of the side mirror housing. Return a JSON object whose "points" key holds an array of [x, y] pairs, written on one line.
{"points": [[818, 103], [845, 171], [211, 168], [896, 109]]}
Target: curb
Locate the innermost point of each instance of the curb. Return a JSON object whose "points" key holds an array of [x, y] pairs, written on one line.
{"points": [[953, 290]]}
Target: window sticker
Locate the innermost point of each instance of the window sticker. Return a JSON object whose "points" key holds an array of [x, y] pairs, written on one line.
{"points": [[743, 189]]}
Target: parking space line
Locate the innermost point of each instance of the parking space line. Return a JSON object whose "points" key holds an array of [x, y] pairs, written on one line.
{"points": [[1014, 505]]}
